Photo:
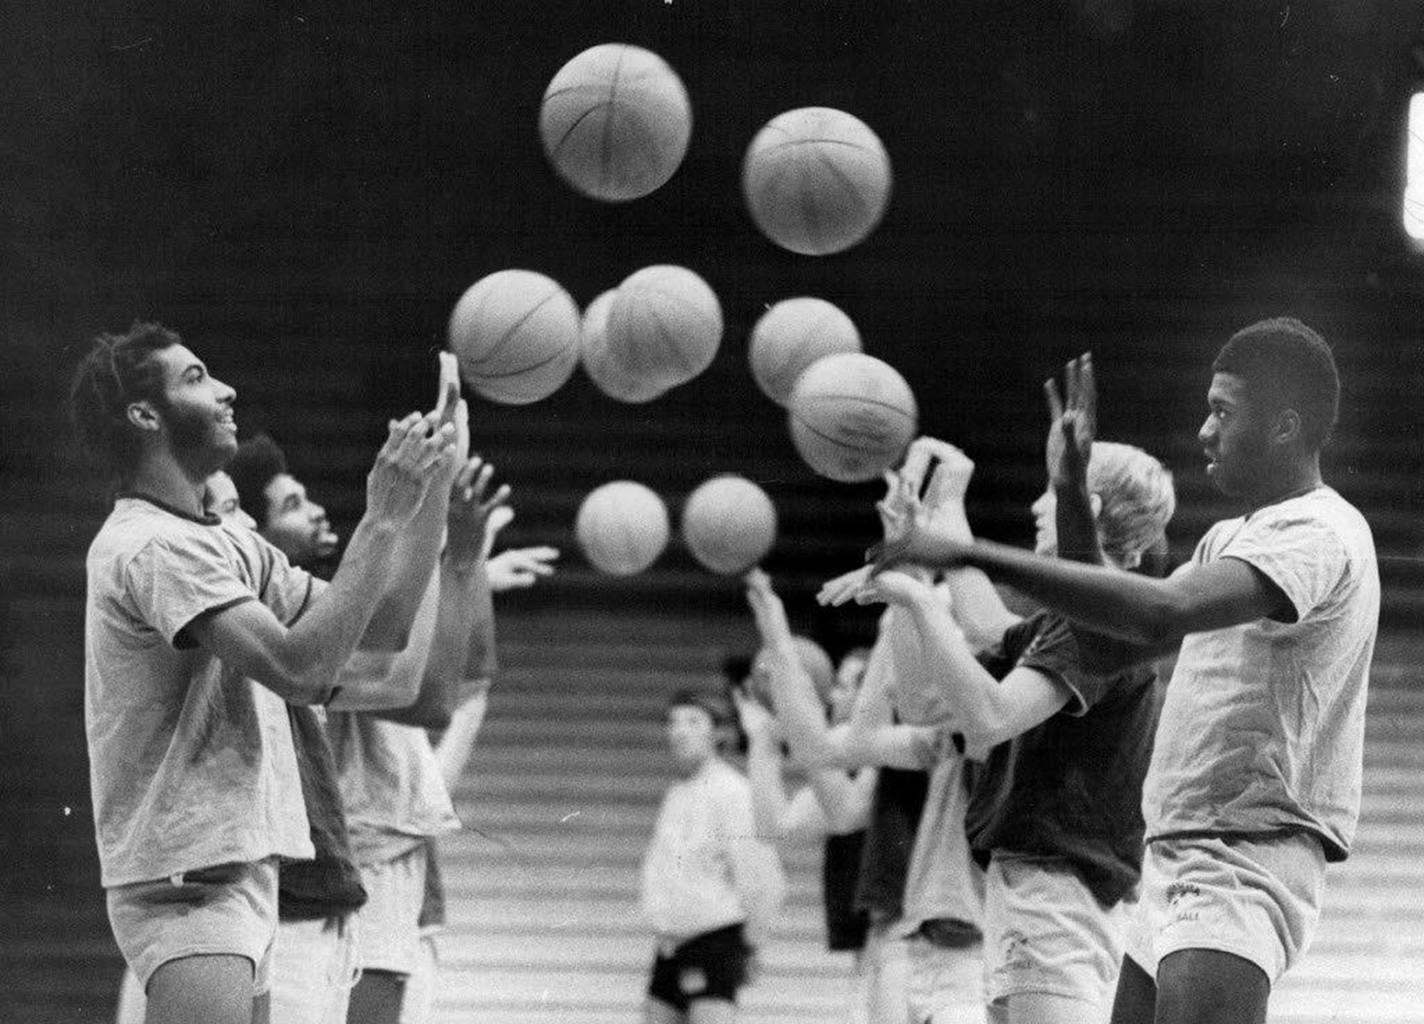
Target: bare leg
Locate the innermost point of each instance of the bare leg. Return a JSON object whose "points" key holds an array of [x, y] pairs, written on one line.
{"points": [[215, 989], [376, 998]]}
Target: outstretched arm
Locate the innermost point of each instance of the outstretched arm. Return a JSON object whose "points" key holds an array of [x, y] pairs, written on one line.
{"points": [[1152, 614], [302, 662]]}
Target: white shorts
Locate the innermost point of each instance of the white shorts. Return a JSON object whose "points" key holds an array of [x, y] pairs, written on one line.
{"points": [[1045, 932], [313, 969], [946, 985], [227, 909], [418, 1002], [389, 923], [885, 961], [1256, 898]]}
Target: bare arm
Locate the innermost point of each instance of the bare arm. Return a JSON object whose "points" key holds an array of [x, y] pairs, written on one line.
{"points": [[1152, 614], [458, 742], [303, 662], [464, 626], [418, 546], [987, 711]]}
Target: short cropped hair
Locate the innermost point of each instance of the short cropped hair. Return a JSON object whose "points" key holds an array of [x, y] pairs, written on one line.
{"points": [[257, 461], [709, 699], [118, 370], [1290, 366], [1137, 496]]}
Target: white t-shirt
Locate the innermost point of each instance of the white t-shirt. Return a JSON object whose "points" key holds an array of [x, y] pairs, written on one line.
{"points": [[391, 784], [1263, 725], [190, 763], [705, 829], [942, 879]]}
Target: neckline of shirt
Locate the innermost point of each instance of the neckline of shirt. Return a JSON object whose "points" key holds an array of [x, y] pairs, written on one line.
{"points": [[207, 519]]}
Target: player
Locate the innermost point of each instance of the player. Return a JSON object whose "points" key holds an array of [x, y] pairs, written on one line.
{"points": [[1254, 783], [196, 635], [833, 808], [710, 886], [389, 781], [512, 569], [1056, 806]]}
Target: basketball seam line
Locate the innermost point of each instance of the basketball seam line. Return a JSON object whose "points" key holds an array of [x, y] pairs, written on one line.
{"points": [[806, 142], [525, 369], [869, 401], [828, 438], [513, 328]]}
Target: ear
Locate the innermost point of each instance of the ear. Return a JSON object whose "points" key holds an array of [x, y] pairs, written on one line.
{"points": [[1095, 502], [1286, 428], [143, 415]]}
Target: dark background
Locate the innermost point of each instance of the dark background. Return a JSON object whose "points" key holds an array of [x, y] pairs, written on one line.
{"points": [[304, 189]]}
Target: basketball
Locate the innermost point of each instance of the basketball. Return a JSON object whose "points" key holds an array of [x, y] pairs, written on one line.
{"points": [[622, 527], [664, 326], [814, 660], [792, 335], [615, 122], [516, 334], [729, 524], [851, 416], [593, 351], [816, 180]]}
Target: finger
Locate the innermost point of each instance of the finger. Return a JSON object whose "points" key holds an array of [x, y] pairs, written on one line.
{"points": [[499, 498], [467, 473], [1055, 399], [480, 479], [1090, 388], [912, 473]]}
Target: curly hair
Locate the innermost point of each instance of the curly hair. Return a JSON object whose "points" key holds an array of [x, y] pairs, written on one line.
{"points": [[257, 461], [118, 370]]}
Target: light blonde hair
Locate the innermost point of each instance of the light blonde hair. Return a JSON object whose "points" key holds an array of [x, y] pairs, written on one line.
{"points": [[1137, 497]]}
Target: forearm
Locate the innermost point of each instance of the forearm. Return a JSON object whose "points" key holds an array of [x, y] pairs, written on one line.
{"points": [[961, 682], [1075, 525], [1118, 604], [317, 647], [443, 685], [978, 609], [799, 711], [417, 550], [769, 803], [456, 745]]}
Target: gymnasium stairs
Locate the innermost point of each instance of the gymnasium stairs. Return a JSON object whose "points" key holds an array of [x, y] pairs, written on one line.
{"points": [[560, 796]]}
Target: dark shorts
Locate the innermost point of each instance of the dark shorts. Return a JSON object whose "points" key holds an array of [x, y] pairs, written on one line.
{"points": [[709, 966]]}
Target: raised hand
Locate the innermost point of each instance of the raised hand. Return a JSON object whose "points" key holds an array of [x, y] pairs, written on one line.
{"points": [[767, 610], [843, 588], [520, 567], [470, 511], [416, 452], [893, 587], [1072, 425]]}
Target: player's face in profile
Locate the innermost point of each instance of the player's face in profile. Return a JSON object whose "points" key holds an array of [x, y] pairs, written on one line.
{"points": [[196, 409], [1045, 525], [222, 501], [296, 525], [1235, 436], [691, 736]]}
